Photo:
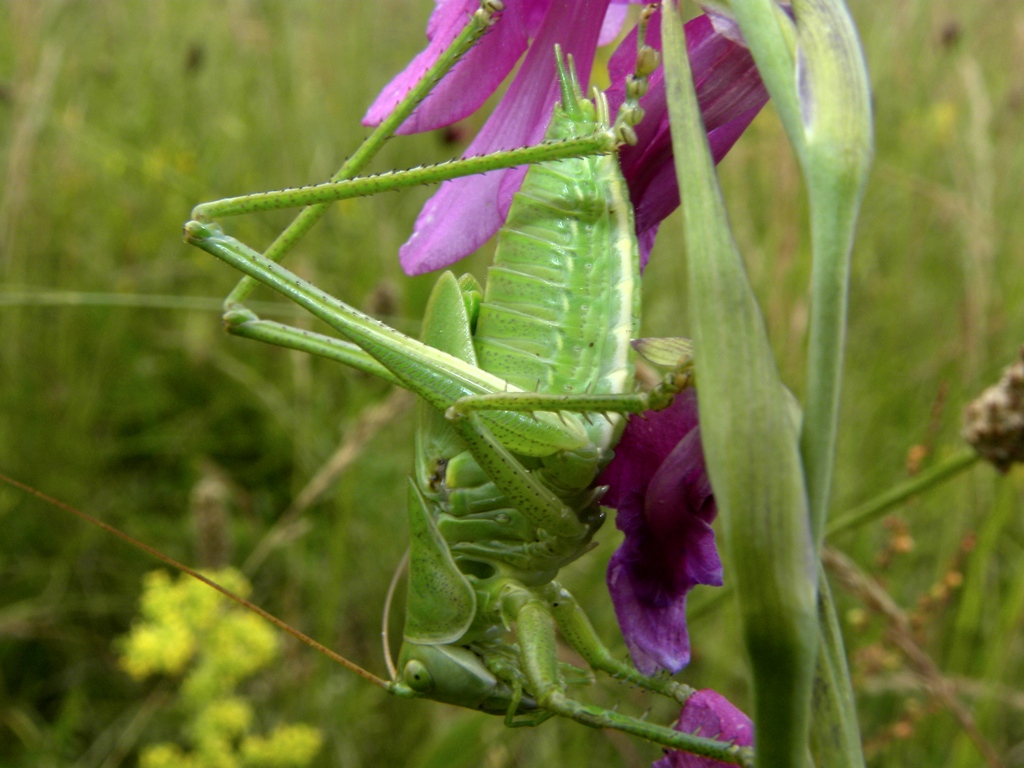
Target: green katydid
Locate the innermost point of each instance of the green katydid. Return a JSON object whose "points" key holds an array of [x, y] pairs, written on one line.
{"points": [[502, 495], [501, 498]]}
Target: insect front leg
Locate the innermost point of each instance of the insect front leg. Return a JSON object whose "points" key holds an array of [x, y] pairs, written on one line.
{"points": [[577, 630], [536, 635]]}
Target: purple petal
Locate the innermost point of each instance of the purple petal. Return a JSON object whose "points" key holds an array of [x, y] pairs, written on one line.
{"points": [[730, 94], [659, 485], [709, 714], [679, 511], [613, 21], [645, 444], [655, 635], [473, 79], [465, 212]]}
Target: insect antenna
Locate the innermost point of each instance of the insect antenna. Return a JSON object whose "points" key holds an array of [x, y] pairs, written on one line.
{"points": [[385, 639], [280, 624]]}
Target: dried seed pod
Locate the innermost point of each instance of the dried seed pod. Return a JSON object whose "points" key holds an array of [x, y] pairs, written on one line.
{"points": [[994, 423]]}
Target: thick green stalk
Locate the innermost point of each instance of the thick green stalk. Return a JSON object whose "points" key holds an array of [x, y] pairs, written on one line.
{"points": [[770, 35], [815, 73], [835, 104], [750, 441]]}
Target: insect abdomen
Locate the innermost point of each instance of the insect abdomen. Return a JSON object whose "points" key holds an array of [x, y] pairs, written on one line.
{"points": [[561, 300]]}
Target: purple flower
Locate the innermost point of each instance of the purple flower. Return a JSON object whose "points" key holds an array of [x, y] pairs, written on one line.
{"points": [[730, 94], [707, 713], [464, 213], [659, 485]]}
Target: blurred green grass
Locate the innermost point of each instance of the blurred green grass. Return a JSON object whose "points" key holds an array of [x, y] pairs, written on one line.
{"points": [[116, 118]]}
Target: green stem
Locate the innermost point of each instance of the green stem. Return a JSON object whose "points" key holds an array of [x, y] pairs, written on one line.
{"points": [[834, 96], [878, 506], [770, 36], [824, 105], [31, 298]]}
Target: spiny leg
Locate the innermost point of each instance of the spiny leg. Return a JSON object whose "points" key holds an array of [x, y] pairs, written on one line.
{"points": [[601, 142], [367, 332], [577, 630], [530, 402], [438, 377], [343, 184], [536, 635]]}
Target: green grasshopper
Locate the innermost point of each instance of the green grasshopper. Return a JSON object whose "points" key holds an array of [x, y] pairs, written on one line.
{"points": [[502, 493]]}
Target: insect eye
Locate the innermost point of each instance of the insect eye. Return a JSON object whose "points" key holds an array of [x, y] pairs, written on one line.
{"points": [[417, 676]]}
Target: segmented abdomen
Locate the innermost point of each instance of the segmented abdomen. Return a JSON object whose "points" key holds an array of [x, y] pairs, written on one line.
{"points": [[562, 297]]}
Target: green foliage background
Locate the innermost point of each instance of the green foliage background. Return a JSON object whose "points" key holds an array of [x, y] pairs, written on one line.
{"points": [[117, 117]]}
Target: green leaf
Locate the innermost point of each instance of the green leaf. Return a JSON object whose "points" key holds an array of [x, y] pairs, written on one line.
{"points": [[750, 440]]}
